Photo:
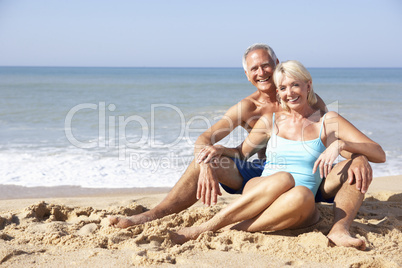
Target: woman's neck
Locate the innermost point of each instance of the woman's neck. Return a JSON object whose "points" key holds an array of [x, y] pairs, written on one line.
{"points": [[305, 112]]}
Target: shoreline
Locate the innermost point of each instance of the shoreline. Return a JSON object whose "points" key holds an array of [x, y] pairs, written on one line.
{"points": [[10, 192]]}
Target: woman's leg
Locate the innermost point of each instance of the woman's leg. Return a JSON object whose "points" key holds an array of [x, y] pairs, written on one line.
{"points": [[293, 209], [259, 194]]}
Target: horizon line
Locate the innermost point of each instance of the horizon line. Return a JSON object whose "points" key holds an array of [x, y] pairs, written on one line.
{"points": [[175, 67]]}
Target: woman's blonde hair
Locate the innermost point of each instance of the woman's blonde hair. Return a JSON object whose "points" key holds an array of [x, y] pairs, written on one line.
{"points": [[296, 70]]}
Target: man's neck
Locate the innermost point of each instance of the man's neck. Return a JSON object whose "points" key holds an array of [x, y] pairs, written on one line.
{"points": [[267, 97]]}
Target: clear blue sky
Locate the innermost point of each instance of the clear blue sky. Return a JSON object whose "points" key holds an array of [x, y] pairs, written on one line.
{"points": [[205, 33]]}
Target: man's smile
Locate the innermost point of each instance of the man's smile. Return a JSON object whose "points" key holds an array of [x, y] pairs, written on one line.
{"points": [[263, 80]]}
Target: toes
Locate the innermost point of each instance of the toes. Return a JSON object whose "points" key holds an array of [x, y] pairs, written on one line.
{"points": [[123, 223], [113, 220], [361, 245], [347, 241], [178, 237]]}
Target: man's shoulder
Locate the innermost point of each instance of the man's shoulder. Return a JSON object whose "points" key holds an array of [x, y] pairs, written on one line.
{"points": [[252, 100], [249, 102], [252, 106], [255, 102], [243, 110], [246, 104]]}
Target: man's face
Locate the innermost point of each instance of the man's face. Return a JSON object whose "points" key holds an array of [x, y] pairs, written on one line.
{"points": [[260, 68]]}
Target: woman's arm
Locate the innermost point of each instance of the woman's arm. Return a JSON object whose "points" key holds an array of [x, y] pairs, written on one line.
{"points": [[353, 140], [257, 139], [343, 136]]}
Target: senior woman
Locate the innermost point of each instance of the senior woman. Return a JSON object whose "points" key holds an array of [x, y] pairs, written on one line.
{"points": [[302, 144]]}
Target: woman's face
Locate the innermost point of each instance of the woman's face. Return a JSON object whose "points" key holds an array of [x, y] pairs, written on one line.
{"points": [[293, 92]]}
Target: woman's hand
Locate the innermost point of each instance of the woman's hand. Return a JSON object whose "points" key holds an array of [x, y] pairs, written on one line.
{"points": [[209, 153], [327, 158]]}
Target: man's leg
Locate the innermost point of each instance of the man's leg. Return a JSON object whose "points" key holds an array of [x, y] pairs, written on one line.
{"points": [[346, 205], [182, 195]]}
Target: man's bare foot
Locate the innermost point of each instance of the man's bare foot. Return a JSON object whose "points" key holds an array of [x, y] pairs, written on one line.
{"points": [[186, 234], [124, 222], [344, 239]]}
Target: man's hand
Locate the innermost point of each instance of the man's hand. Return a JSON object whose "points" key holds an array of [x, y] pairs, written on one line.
{"points": [[209, 153], [208, 186], [361, 172]]}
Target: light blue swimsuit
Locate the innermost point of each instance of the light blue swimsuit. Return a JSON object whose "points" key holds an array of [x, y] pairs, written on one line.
{"points": [[295, 157]]}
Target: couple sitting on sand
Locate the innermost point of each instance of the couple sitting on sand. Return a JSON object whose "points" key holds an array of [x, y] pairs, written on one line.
{"points": [[294, 171]]}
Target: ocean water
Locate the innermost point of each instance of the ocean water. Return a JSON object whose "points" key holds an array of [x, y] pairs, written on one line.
{"points": [[136, 127]]}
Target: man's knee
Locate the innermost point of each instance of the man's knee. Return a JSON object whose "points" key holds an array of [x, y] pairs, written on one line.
{"points": [[225, 168], [224, 163], [227, 173], [340, 172], [335, 179]]}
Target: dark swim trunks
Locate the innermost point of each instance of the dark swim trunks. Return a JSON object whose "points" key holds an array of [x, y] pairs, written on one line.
{"points": [[248, 170]]}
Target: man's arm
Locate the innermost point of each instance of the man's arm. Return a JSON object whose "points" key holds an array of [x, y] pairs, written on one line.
{"points": [[254, 142], [232, 119], [208, 186]]}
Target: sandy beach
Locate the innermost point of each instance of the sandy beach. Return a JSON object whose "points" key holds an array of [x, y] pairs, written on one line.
{"points": [[68, 227]]}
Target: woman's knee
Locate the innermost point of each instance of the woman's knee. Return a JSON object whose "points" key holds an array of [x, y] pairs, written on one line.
{"points": [[301, 195], [253, 182], [283, 180]]}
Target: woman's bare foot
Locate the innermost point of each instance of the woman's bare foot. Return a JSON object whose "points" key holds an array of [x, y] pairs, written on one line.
{"points": [[124, 222], [186, 234], [344, 239]]}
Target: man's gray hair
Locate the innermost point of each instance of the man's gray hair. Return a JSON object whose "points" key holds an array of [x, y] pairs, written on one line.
{"points": [[255, 47]]}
